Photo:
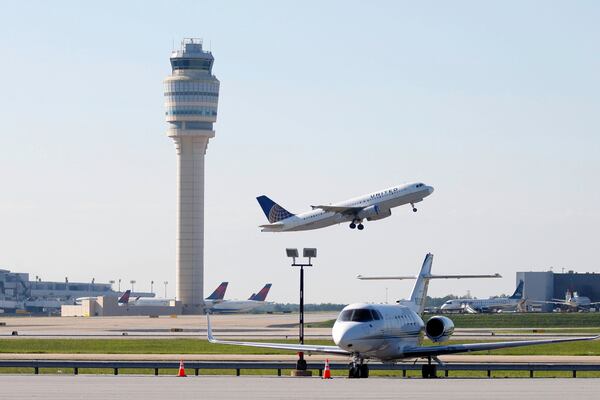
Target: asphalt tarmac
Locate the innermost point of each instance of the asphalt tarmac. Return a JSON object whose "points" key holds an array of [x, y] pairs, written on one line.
{"points": [[16, 387]]}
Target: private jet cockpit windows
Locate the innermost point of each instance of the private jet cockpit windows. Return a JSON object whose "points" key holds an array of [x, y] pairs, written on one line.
{"points": [[419, 185], [360, 315]]}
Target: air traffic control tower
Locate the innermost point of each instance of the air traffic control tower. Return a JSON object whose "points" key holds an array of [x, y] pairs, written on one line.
{"points": [[191, 98]]}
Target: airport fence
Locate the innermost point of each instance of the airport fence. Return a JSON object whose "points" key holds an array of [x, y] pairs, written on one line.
{"points": [[238, 367]]}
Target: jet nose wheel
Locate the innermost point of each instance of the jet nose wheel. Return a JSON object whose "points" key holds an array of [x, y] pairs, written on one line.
{"points": [[361, 227], [353, 225], [414, 208]]}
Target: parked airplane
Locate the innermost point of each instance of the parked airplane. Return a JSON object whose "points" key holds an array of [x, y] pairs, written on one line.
{"points": [[216, 297], [390, 333], [239, 306], [572, 301], [493, 304], [124, 299], [371, 207]]}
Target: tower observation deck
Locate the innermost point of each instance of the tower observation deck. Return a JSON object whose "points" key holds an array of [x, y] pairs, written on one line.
{"points": [[191, 98]]}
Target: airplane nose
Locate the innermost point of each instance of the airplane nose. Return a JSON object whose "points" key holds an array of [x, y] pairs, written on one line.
{"points": [[346, 338], [430, 189]]}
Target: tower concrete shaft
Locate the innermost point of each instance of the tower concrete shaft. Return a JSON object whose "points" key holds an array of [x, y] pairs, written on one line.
{"points": [[191, 99]]}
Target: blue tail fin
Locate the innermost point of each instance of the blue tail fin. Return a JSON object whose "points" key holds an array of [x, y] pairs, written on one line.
{"points": [[272, 210], [518, 294]]}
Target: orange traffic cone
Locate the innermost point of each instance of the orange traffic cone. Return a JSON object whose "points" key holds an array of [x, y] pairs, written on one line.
{"points": [[181, 372], [327, 371]]}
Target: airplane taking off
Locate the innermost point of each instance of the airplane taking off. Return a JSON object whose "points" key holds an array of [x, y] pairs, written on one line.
{"points": [[239, 306], [391, 332], [372, 206], [493, 304]]}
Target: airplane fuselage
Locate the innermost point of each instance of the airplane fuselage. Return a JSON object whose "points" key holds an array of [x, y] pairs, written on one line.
{"points": [[382, 202], [500, 303], [398, 327]]}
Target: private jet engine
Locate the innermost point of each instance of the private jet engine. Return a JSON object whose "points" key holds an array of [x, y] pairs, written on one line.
{"points": [[373, 213], [439, 329]]}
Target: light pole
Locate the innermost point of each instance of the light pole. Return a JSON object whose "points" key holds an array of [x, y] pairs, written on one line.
{"points": [[132, 283], [119, 285], [166, 283], [151, 286], [112, 282], [293, 254]]}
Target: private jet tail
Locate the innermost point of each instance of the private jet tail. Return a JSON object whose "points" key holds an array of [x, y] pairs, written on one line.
{"points": [[262, 295], [219, 292], [272, 210], [518, 294], [124, 299], [419, 292]]}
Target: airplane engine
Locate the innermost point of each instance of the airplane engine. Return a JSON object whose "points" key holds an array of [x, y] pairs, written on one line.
{"points": [[439, 329], [373, 213]]}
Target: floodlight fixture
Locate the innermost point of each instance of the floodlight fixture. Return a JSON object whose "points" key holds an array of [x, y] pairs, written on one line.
{"points": [[292, 253], [309, 252]]}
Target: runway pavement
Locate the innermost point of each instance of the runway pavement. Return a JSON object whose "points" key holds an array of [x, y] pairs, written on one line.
{"points": [[249, 388], [264, 326]]}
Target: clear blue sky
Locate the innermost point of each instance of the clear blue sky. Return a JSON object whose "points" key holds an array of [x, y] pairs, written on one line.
{"points": [[494, 104]]}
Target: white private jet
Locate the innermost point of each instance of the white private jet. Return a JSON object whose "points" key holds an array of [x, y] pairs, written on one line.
{"points": [[372, 206], [493, 304], [240, 306], [390, 333]]}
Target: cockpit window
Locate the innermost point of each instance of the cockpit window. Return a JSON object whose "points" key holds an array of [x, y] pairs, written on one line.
{"points": [[359, 315], [419, 185], [376, 315]]}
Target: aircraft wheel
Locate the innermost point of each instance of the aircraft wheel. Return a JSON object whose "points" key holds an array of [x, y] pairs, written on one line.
{"points": [[414, 209], [353, 371], [353, 225], [364, 371], [429, 371], [361, 227]]}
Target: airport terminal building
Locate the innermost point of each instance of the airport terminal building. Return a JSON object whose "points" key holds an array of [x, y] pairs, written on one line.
{"points": [[19, 294], [549, 285]]}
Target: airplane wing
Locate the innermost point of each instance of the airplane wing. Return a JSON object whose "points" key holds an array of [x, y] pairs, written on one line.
{"points": [[433, 351], [339, 209], [306, 348]]}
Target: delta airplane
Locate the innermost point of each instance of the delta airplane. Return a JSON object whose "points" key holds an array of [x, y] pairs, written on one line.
{"points": [[240, 306], [493, 304], [124, 299], [371, 207], [215, 298], [390, 333]]}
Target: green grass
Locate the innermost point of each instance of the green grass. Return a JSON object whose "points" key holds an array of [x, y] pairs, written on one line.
{"points": [[512, 320], [196, 346]]}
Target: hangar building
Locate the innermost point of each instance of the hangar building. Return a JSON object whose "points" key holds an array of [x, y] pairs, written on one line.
{"points": [[548, 285]]}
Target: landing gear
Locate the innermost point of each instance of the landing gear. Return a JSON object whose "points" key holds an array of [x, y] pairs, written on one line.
{"points": [[358, 369], [429, 370], [414, 208], [357, 223]]}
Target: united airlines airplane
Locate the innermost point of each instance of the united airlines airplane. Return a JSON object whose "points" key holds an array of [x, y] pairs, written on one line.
{"points": [[390, 333], [373, 206]]}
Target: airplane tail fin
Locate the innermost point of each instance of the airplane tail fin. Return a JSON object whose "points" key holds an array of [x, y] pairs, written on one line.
{"points": [[262, 295], [419, 292], [124, 299], [518, 294], [219, 292], [273, 211], [252, 296]]}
